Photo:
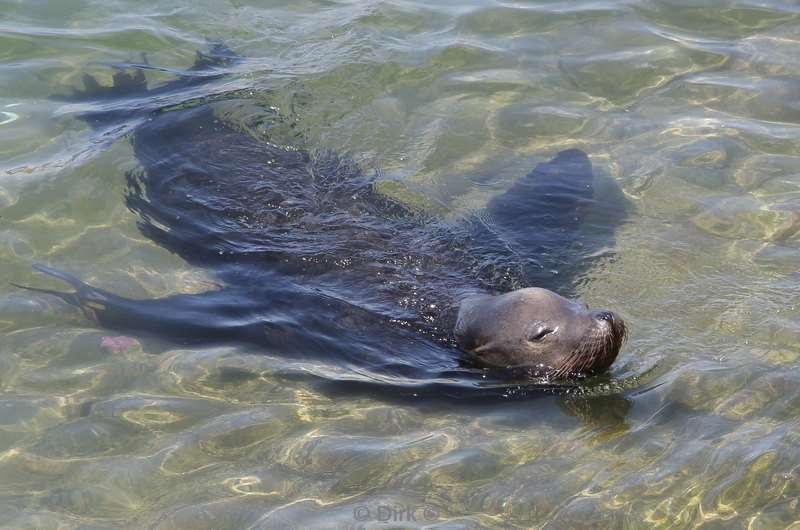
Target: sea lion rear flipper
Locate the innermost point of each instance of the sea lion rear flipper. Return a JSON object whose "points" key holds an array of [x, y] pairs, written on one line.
{"points": [[218, 56], [126, 80], [129, 96]]}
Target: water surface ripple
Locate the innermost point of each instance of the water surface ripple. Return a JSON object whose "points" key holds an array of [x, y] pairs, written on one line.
{"points": [[690, 107]]}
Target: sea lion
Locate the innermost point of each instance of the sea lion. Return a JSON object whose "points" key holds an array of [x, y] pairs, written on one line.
{"points": [[536, 328], [312, 254]]}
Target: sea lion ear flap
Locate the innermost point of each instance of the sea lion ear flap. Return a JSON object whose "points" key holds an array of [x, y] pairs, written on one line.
{"points": [[467, 331]]}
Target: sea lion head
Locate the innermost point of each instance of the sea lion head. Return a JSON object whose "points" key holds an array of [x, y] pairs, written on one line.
{"points": [[538, 331]]}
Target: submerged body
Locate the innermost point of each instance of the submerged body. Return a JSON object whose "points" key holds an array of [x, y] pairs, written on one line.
{"points": [[287, 230]]}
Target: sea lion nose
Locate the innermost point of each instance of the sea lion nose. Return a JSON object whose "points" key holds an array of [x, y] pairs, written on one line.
{"points": [[608, 316]]}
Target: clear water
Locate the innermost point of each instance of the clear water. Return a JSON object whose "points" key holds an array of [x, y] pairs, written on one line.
{"points": [[691, 107]]}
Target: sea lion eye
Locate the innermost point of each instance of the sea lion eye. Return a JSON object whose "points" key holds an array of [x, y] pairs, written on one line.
{"points": [[540, 333]]}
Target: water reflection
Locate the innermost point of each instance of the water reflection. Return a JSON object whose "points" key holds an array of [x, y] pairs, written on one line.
{"points": [[688, 107]]}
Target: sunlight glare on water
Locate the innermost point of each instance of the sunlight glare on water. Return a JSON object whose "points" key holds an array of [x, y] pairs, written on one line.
{"points": [[691, 108]]}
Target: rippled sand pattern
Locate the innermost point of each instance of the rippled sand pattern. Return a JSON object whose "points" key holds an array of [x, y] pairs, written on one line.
{"points": [[692, 107]]}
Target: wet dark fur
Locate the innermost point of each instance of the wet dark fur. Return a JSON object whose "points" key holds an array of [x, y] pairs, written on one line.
{"points": [[315, 262]]}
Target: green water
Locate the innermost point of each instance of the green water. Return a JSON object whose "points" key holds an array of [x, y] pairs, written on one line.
{"points": [[692, 107]]}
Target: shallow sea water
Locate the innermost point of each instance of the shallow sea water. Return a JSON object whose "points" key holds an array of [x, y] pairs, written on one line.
{"points": [[691, 107]]}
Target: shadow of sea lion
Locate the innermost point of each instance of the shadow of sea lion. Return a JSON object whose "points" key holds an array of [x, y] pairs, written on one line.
{"points": [[317, 264]]}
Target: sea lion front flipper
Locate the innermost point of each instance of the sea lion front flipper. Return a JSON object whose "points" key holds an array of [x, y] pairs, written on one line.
{"points": [[535, 224], [186, 319], [222, 316], [83, 296], [554, 195], [108, 309], [263, 316]]}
